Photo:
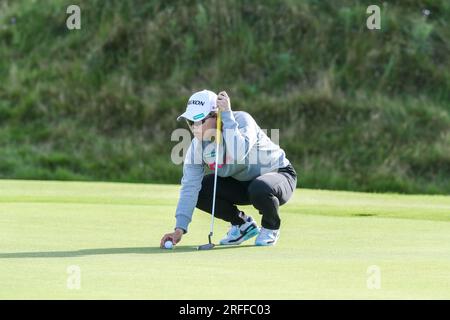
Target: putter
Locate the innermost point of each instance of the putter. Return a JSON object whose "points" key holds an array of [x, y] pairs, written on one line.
{"points": [[211, 245]]}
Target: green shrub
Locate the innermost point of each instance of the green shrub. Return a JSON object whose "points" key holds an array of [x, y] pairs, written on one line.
{"points": [[357, 109]]}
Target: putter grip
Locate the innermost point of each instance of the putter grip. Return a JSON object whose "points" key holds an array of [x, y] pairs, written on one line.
{"points": [[219, 126]]}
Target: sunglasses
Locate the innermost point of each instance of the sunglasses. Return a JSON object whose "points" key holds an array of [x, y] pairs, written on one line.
{"points": [[201, 122]]}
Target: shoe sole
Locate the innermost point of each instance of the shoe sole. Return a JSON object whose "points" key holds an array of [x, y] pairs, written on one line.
{"points": [[249, 235], [260, 244], [265, 244]]}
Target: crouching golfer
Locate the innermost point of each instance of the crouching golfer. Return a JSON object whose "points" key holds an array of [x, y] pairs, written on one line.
{"points": [[251, 170]]}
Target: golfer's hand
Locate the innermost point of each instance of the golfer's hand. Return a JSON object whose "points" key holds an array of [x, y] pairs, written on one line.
{"points": [[223, 101], [175, 237]]}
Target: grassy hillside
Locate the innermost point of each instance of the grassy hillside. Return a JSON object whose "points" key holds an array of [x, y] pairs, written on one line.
{"points": [[110, 232], [357, 109]]}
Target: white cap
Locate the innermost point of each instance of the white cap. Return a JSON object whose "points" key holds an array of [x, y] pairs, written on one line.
{"points": [[199, 105]]}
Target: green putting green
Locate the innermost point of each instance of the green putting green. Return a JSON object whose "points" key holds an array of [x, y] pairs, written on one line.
{"points": [[80, 240]]}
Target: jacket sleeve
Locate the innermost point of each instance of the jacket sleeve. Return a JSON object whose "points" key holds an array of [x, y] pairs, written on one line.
{"points": [[239, 137], [191, 183]]}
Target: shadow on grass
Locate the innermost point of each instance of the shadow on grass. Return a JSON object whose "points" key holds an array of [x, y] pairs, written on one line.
{"points": [[106, 251]]}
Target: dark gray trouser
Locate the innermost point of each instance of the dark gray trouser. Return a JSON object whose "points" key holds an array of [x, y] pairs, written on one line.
{"points": [[266, 193]]}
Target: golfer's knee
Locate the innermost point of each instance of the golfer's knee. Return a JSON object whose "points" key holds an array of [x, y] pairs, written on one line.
{"points": [[204, 200], [207, 187]]}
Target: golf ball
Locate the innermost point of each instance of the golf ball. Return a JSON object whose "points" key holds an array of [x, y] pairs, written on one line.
{"points": [[168, 244]]}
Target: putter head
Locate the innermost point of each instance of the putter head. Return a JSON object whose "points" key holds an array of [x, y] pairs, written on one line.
{"points": [[207, 246]]}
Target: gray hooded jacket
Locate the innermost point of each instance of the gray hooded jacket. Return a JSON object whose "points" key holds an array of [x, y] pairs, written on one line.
{"points": [[245, 152]]}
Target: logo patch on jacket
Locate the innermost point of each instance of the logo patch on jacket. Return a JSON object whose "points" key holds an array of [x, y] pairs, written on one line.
{"points": [[212, 166], [211, 156]]}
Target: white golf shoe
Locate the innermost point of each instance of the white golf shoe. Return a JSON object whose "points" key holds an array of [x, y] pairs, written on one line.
{"points": [[267, 237], [238, 234]]}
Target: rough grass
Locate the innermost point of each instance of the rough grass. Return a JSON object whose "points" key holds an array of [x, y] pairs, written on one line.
{"points": [[357, 109]]}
